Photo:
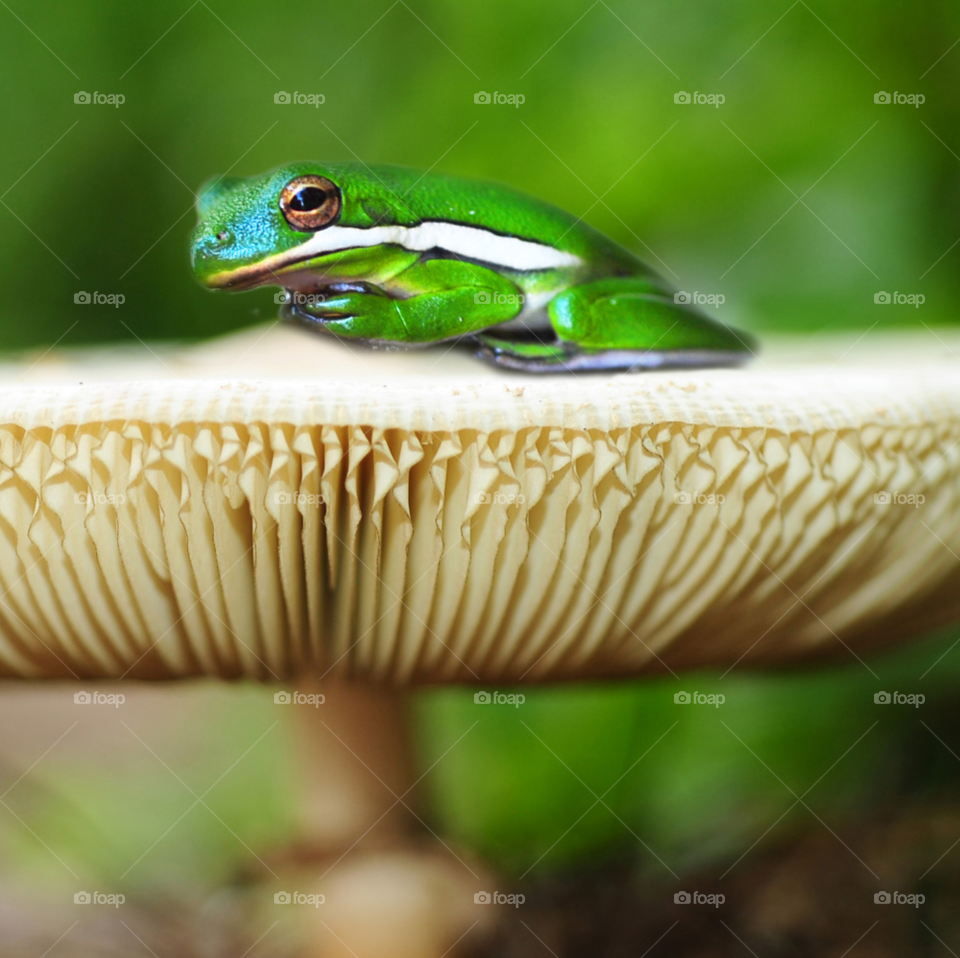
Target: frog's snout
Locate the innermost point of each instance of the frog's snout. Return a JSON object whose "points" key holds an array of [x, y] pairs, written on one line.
{"points": [[206, 254]]}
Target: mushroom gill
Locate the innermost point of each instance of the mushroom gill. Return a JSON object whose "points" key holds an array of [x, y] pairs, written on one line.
{"points": [[263, 506]]}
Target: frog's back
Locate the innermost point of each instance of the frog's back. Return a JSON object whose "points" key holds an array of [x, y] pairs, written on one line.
{"points": [[488, 205]]}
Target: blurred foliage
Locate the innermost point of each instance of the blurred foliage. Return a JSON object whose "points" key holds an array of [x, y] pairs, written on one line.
{"points": [[100, 198], [581, 772], [680, 787], [199, 786]]}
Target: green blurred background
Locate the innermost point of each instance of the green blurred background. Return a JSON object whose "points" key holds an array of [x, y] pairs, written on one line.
{"points": [[100, 198]]}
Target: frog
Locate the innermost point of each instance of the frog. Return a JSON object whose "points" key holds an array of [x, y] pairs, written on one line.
{"points": [[394, 257]]}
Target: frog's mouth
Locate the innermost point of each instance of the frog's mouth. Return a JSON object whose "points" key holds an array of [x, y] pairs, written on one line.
{"points": [[272, 272]]}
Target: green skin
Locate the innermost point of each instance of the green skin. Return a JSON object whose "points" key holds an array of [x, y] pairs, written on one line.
{"points": [[600, 307]]}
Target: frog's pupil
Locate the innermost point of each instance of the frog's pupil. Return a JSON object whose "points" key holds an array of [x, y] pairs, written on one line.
{"points": [[309, 198]]}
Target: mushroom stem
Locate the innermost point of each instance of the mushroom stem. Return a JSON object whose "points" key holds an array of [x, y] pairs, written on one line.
{"points": [[389, 891], [354, 767]]}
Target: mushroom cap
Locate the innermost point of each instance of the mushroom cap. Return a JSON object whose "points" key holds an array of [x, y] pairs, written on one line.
{"points": [[275, 501]]}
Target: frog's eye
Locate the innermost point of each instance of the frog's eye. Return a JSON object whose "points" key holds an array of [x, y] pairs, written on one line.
{"points": [[310, 202]]}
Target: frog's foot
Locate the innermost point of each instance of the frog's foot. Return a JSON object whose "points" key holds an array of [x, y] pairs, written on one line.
{"points": [[427, 303], [532, 356]]}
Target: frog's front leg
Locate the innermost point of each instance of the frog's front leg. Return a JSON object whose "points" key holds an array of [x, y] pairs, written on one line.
{"points": [[428, 302]]}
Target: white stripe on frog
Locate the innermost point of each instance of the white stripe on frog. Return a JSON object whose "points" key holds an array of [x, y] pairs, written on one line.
{"points": [[469, 241]]}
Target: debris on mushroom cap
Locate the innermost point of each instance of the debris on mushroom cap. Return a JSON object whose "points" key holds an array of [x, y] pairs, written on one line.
{"points": [[394, 516]]}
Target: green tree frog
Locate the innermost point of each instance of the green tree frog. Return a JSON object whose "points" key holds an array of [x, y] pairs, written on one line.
{"points": [[394, 257]]}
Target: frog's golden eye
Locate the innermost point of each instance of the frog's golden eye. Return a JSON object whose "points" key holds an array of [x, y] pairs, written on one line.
{"points": [[310, 202]]}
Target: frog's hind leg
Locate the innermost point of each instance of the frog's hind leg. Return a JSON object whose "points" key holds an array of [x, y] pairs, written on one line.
{"points": [[621, 323]]}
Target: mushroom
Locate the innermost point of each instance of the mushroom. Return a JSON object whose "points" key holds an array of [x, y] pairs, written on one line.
{"points": [[279, 507]]}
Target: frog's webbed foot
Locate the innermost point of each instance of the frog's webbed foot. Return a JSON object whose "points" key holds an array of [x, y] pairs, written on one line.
{"points": [[532, 356]]}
